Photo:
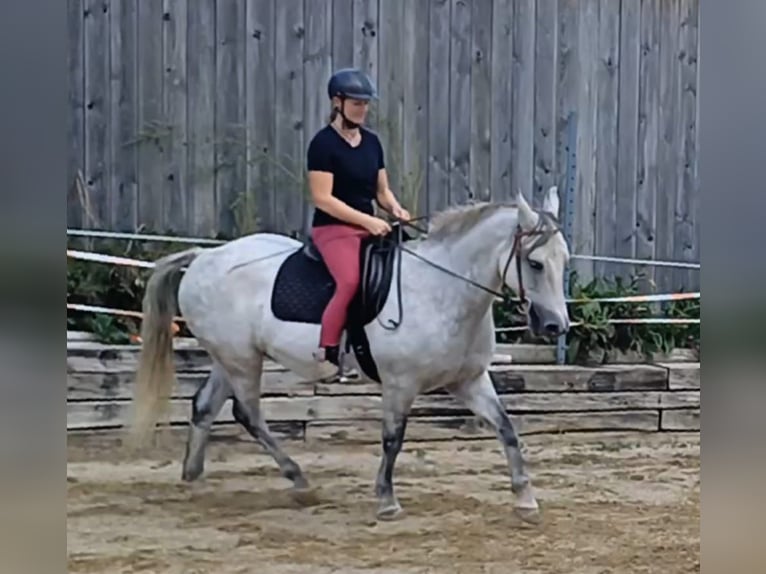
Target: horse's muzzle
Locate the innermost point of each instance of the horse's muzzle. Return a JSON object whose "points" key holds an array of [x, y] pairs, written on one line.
{"points": [[546, 323]]}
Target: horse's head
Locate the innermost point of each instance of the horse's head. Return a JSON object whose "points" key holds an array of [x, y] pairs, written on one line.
{"points": [[533, 265]]}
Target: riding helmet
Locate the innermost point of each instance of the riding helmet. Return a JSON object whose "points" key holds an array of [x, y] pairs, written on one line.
{"points": [[351, 83]]}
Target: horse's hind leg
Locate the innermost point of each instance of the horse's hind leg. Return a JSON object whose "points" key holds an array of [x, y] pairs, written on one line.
{"points": [[397, 401], [246, 386], [206, 405], [480, 396]]}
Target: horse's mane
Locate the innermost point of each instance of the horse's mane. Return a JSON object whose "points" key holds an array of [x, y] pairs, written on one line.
{"points": [[458, 219]]}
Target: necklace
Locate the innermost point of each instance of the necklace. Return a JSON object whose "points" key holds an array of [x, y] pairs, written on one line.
{"points": [[353, 139]]}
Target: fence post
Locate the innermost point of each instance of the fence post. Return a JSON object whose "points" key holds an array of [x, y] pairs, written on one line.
{"points": [[567, 214]]}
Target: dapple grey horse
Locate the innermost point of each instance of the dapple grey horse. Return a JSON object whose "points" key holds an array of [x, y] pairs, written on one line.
{"points": [[449, 280]]}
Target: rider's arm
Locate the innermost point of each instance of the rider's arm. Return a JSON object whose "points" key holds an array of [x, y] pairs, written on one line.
{"points": [[385, 197]]}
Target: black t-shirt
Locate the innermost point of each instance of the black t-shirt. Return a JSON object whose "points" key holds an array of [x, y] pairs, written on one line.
{"points": [[354, 169]]}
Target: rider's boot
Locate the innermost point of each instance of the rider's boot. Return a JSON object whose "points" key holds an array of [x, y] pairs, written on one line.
{"points": [[332, 355]]}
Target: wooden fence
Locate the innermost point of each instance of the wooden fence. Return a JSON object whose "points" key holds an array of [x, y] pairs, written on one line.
{"points": [[194, 116], [539, 395]]}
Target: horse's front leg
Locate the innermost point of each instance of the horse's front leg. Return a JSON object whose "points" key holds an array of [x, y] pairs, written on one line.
{"points": [[480, 396], [397, 400]]}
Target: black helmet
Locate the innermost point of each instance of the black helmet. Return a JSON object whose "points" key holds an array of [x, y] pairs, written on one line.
{"points": [[351, 83]]}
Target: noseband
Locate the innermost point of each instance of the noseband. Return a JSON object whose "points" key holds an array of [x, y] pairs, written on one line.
{"points": [[546, 228]]}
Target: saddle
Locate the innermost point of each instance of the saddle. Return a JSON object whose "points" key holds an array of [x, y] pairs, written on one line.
{"points": [[304, 286]]}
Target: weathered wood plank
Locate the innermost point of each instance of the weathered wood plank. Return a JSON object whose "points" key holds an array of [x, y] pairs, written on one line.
{"points": [[414, 190], [365, 38], [669, 145], [481, 100], [153, 129], [391, 88], [583, 235], [230, 152], [523, 97], [627, 143], [528, 354], [680, 420], [104, 438], [538, 378], [97, 105], [502, 102], [357, 407], [439, 118], [687, 202], [683, 375], [122, 115], [648, 134], [568, 79], [201, 96], [260, 40], [680, 400], [317, 65], [342, 33], [174, 92], [124, 359], [76, 209], [606, 82], [546, 69], [101, 386], [450, 428], [289, 148], [460, 102], [546, 378]]}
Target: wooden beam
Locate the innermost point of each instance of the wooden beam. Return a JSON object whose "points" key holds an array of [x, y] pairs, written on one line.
{"points": [[448, 428], [683, 375], [678, 420], [360, 407]]}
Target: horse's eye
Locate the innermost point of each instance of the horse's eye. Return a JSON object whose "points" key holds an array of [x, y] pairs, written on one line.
{"points": [[536, 265]]}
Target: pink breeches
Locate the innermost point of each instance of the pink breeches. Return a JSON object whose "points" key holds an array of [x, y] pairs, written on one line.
{"points": [[340, 246]]}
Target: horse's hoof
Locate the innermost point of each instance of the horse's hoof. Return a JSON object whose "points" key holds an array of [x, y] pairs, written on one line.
{"points": [[301, 484], [390, 512], [191, 474], [306, 496], [529, 515]]}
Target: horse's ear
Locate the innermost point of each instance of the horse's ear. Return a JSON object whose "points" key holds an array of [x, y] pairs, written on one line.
{"points": [[551, 203], [527, 217]]}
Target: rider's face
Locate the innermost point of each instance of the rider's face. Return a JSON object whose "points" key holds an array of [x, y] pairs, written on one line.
{"points": [[355, 110]]}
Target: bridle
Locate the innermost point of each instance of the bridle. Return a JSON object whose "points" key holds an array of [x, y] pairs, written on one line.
{"points": [[546, 228]]}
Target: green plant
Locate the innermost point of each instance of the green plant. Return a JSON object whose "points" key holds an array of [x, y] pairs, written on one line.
{"points": [[594, 337], [107, 285]]}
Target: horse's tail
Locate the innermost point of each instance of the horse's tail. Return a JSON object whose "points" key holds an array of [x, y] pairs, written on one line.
{"points": [[156, 372]]}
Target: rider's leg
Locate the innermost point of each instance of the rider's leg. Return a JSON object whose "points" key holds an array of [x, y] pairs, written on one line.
{"points": [[339, 246]]}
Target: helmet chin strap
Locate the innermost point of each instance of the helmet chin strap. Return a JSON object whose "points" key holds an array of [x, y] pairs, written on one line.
{"points": [[347, 123]]}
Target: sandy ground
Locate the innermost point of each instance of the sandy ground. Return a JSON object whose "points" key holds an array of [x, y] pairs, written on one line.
{"points": [[611, 503]]}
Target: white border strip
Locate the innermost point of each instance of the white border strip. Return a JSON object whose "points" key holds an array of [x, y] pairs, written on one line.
{"points": [[208, 241], [645, 320], [142, 237], [652, 262], [111, 311], [640, 298], [101, 258], [639, 321]]}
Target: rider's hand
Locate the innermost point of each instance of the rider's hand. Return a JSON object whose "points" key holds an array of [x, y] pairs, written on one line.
{"points": [[401, 213], [377, 226]]}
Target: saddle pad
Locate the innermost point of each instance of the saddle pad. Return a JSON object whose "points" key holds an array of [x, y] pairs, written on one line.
{"points": [[302, 289]]}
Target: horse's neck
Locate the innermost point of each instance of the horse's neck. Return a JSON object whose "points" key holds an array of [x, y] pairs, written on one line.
{"points": [[474, 256]]}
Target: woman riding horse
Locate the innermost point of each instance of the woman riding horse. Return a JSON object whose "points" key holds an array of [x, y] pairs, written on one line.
{"points": [[346, 172]]}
